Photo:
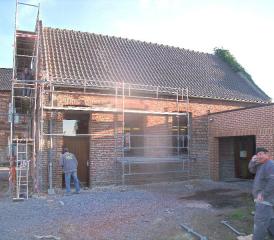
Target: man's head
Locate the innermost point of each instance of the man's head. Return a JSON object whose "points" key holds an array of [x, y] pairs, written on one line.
{"points": [[65, 149], [262, 154]]}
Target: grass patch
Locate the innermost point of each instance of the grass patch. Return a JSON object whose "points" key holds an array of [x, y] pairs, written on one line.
{"points": [[241, 217], [238, 215]]}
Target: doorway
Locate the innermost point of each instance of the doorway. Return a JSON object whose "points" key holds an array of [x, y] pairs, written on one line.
{"points": [[234, 156], [244, 150], [75, 126], [79, 146]]}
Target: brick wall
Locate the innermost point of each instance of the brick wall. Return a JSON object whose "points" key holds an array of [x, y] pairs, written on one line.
{"points": [[257, 121], [57, 143], [200, 108], [227, 158], [158, 125], [4, 126], [103, 167]]}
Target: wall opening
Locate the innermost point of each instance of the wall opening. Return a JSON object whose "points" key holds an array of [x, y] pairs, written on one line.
{"points": [[75, 124], [234, 156]]}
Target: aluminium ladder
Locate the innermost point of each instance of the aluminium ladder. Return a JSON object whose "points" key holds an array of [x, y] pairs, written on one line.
{"points": [[22, 169]]}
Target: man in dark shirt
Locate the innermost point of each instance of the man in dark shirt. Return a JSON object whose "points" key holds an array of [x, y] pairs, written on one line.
{"points": [[263, 193], [25, 76]]}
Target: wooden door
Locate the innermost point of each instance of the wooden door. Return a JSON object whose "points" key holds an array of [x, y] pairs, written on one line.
{"points": [[244, 150], [79, 146]]}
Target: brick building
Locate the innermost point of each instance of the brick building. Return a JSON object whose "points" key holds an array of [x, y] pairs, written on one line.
{"points": [[5, 87], [122, 107], [232, 143]]}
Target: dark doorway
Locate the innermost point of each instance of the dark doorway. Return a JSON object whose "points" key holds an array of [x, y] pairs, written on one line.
{"points": [[234, 156], [244, 149]]}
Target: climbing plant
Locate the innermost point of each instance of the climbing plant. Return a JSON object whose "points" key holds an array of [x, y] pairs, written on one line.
{"points": [[231, 60]]}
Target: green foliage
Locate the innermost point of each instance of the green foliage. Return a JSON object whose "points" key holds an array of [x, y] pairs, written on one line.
{"points": [[231, 60], [238, 214]]}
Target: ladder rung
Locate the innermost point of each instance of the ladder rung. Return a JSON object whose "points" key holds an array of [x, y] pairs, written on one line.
{"points": [[18, 199], [25, 86], [28, 56], [21, 82], [23, 97]]}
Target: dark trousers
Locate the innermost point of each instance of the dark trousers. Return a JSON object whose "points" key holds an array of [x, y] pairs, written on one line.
{"points": [[263, 222]]}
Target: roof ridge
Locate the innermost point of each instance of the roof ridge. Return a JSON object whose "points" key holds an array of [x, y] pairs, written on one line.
{"points": [[131, 39]]}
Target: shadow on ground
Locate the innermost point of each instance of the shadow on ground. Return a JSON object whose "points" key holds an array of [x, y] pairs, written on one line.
{"points": [[220, 198]]}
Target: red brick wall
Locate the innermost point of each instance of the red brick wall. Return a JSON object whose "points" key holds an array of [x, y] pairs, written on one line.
{"points": [[103, 167], [43, 164], [158, 125], [4, 126], [252, 121]]}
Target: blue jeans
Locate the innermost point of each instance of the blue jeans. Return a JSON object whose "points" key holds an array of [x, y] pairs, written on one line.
{"points": [[75, 179]]}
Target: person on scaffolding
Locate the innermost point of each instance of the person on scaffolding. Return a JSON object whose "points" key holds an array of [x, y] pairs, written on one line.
{"points": [[26, 76], [262, 165], [69, 164]]}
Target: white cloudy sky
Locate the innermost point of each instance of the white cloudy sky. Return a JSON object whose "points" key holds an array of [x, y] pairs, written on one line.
{"points": [[245, 27]]}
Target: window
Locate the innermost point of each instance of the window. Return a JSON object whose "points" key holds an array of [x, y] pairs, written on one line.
{"points": [[75, 124], [70, 127], [134, 135], [179, 134]]}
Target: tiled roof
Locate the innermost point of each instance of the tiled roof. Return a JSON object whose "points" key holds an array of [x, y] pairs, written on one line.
{"points": [[5, 79], [72, 55]]}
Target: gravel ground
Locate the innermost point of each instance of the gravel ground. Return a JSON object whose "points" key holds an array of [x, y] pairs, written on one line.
{"points": [[144, 212]]}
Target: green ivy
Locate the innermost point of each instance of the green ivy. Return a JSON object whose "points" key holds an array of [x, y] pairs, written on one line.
{"points": [[231, 60]]}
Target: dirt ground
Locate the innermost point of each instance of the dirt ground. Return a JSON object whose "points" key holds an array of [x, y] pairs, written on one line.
{"points": [[143, 212]]}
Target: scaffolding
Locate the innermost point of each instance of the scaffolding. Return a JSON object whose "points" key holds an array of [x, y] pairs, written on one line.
{"points": [[32, 99], [23, 105], [120, 93]]}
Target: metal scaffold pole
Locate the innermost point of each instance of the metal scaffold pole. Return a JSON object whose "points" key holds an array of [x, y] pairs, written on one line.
{"points": [[123, 132]]}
